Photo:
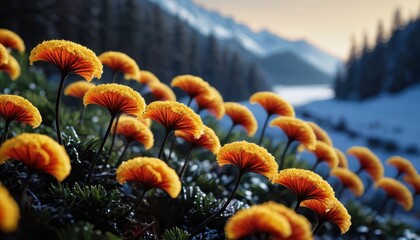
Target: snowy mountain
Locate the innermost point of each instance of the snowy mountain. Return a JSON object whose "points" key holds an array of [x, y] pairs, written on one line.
{"points": [[262, 44]]}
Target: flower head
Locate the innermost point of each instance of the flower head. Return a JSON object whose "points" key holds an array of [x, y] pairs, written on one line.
{"points": [[78, 89], [258, 219], [118, 99], [332, 211], [342, 160], [208, 139], [151, 173], [9, 211], [135, 131], [404, 166], [414, 181], [4, 55], [241, 115], [296, 130], [321, 134], [304, 184], [349, 180], [368, 161], [37, 152], [17, 108], [273, 104], [248, 157], [325, 153], [214, 105], [120, 62], [192, 85], [175, 116], [397, 191], [161, 92], [147, 77], [12, 68], [68, 57], [11, 40]]}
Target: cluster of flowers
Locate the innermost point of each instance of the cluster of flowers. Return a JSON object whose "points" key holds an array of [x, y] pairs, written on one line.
{"points": [[130, 117]]}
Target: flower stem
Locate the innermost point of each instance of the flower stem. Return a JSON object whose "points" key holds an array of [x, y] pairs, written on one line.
{"points": [[283, 155], [122, 154], [187, 159], [82, 113], [297, 205], [189, 101], [315, 165], [229, 132], [24, 193], [317, 227], [114, 135], [263, 129], [57, 108], [135, 204], [114, 76], [163, 144], [208, 220], [5, 132], [99, 150]]}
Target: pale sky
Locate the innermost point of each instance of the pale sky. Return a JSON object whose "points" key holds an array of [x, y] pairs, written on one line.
{"points": [[329, 24]]}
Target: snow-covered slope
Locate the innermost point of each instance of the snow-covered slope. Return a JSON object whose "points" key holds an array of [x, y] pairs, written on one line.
{"points": [[261, 44]]}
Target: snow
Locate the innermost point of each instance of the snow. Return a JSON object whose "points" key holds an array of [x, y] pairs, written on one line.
{"points": [[303, 94]]}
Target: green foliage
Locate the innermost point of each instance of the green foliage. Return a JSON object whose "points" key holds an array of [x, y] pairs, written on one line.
{"points": [[175, 234], [84, 231]]}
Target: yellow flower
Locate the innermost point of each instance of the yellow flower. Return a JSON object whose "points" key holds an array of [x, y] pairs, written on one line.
{"points": [[4, 55], [241, 115], [404, 166], [273, 104], [135, 131], [12, 68], [304, 184], [11, 40], [175, 116], [147, 77], [368, 161], [342, 160], [120, 62], [248, 157], [17, 108], [256, 220], [414, 181], [161, 92], [9, 211], [37, 152], [320, 133], [349, 180], [151, 173], [78, 89], [332, 211], [396, 191], [68, 57], [325, 153], [208, 139], [118, 99], [296, 130], [214, 105], [192, 85]]}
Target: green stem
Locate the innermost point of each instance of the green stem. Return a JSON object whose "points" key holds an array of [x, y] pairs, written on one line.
{"points": [[264, 128], [135, 204], [229, 132], [208, 220], [24, 193], [122, 154], [189, 101], [57, 108], [5, 132], [114, 76], [163, 144], [114, 134], [297, 205], [317, 227], [82, 113], [283, 155], [99, 150], [187, 159]]}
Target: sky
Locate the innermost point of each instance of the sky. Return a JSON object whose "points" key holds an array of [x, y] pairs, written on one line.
{"points": [[328, 24]]}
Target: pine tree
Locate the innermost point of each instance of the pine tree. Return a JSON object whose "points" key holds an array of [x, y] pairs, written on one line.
{"points": [[194, 58], [180, 45]]}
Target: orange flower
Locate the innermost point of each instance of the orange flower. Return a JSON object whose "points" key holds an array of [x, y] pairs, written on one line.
{"points": [[12, 68], [214, 105], [151, 173], [256, 221], [349, 180], [300, 226], [296, 130], [17, 108], [368, 161], [9, 211], [320, 133], [192, 85], [404, 166], [68, 57], [121, 62], [37, 152], [414, 181], [208, 139], [118, 99], [4, 55], [304, 184], [325, 153], [11, 40], [78, 89], [135, 131], [332, 211], [273, 104], [147, 77], [241, 115], [161, 92], [248, 157], [342, 160], [396, 191], [175, 116]]}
